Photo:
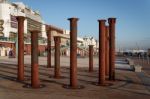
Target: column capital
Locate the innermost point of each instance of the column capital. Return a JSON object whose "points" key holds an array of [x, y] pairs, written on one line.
{"points": [[57, 39], [73, 19], [34, 31], [107, 26], [20, 18], [101, 21], [48, 28], [111, 20], [90, 45]]}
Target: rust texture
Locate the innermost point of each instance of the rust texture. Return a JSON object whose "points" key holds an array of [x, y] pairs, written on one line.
{"points": [[48, 29], [35, 83], [101, 52], [73, 52], [90, 58], [20, 74], [57, 57], [112, 22], [107, 51]]}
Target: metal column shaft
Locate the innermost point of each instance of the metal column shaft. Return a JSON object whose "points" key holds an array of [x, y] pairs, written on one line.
{"points": [[49, 47], [112, 22], [107, 51], [57, 57], [90, 58], [20, 48], [73, 52], [35, 83], [101, 52]]}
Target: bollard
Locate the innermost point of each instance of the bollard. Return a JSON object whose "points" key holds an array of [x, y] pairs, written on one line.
{"points": [[57, 57], [112, 22], [20, 73], [90, 58]]}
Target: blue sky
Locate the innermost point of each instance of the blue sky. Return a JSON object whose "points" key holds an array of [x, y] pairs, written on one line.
{"points": [[133, 17]]}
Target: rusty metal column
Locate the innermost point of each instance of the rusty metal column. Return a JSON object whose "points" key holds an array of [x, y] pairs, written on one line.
{"points": [[73, 52], [90, 58], [73, 55], [112, 22], [57, 57], [49, 47], [20, 74], [107, 51], [35, 83], [101, 80]]}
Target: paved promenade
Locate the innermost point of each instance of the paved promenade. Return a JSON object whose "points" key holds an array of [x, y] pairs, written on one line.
{"points": [[145, 63], [128, 84]]}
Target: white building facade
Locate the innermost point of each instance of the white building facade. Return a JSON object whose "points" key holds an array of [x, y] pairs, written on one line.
{"points": [[90, 41], [8, 13]]}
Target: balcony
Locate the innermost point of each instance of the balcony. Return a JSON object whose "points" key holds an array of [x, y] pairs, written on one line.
{"points": [[5, 39], [41, 41]]}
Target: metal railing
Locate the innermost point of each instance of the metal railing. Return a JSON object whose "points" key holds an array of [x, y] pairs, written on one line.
{"points": [[5, 39]]}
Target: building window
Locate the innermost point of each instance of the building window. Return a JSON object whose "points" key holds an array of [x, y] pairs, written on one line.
{"points": [[14, 23], [12, 35], [22, 11]]}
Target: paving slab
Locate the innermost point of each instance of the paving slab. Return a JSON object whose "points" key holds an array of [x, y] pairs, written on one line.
{"points": [[128, 84]]}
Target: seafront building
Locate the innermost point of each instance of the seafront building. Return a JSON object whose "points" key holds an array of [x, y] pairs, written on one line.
{"points": [[33, 21], [8, 33]]}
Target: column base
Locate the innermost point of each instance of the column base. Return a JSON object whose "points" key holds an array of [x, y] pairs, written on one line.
{"points": [[73, 87], [25, 79], [57, 77], [50, 67], [30, 86], [110, 79], [90, 71], [102, 84]]}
